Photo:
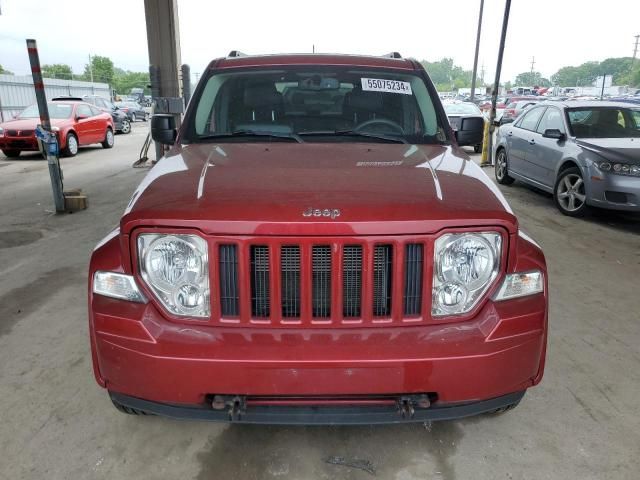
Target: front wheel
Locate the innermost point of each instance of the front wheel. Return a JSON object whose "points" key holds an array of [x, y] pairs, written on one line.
{"points": [[133, 117], [126, 126], [11, 153], [502, 168], [72, 146], [108, 139], [569, 193]]}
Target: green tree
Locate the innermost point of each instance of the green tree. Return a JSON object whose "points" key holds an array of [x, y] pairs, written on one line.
{"points": [[57, 70], [5, 72], [581, 75], [531, 79], [124, 81], [446, 76], [620, 68], [101, 69]]}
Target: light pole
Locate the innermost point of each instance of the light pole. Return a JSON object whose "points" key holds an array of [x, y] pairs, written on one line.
{"points": [[496, 82], [475, 58]]}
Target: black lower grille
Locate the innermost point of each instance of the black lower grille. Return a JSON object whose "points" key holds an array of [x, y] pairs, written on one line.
{"points": [[290, 281], [351, 280], [412, 296], [382, 269], [260, 302], [229, 292], [321, 281]]}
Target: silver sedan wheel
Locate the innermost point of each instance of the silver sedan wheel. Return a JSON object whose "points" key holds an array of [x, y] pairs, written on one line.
{"points": [[126, 126], [570, 192], [72, 145], [501, 165]]}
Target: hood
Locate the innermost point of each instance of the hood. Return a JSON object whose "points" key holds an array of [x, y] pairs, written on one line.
{"points": [[30, 123], [626, 150], [259, 188]]}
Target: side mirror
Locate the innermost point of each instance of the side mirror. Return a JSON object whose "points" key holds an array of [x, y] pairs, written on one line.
{"points": [[506, 120], [471, 131], [81, 117], [553, 133], [163, 128]]}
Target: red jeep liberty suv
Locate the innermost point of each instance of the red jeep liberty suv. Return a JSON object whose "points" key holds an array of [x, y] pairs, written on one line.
{"points": [[317, 249]]}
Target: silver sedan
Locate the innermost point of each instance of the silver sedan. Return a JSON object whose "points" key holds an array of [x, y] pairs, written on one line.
{"points": [[584, 153]]}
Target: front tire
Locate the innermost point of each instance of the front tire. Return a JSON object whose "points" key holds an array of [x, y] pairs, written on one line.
{"points": [[126, 126], [134, 118], [502, 168], [569, 193], [71, 149], [11, 153], [108, 139]]}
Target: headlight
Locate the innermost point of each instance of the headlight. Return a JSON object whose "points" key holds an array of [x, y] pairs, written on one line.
{"points": [[176, 268], [465, 266], [619, 168], [1, 132]]}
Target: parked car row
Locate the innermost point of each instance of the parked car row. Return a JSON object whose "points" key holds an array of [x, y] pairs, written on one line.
{"points": [[76, 123], [120, 119], [587, 154], [133, 110]]}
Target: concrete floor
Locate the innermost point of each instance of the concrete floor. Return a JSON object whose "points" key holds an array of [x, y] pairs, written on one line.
{"points": [[582, 422]]}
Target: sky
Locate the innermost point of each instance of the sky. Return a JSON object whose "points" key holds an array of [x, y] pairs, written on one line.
{"points": [[555, 33]]}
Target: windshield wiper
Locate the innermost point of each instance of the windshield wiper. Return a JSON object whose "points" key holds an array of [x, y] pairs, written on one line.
{"points": [[354, 133], [249, 133]]}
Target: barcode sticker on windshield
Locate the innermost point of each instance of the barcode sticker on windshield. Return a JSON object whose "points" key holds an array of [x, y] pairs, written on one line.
{"points": [[389, 86]]}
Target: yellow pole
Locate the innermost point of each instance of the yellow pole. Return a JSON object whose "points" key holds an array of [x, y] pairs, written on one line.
{"points": [[485, 145]]}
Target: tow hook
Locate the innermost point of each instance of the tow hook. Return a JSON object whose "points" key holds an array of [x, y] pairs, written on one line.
{"points": [[236, 408], [405, 407]]}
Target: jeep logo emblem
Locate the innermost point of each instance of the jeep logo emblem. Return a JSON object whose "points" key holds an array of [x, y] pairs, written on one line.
{"points": [[331, 213]]}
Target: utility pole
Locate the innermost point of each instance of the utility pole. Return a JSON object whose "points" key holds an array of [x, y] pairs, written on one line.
{"points": [[635, 52], [482, 74], [496, 82], [475, 57], [533, 62], [90, 68]]}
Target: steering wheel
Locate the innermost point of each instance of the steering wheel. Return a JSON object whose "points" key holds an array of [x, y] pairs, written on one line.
{"points": [[379, 121]]}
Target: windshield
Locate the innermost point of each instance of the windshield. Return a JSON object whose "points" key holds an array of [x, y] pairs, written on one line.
{"points": [[317, 103], [461, 109], [604, 122], [56, 110]]}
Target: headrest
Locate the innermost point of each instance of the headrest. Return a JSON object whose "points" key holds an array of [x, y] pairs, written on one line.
{"points": [[369, 101], [262, 95]]}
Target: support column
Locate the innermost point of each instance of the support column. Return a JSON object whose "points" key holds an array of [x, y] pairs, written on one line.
{"points": [[163, 40]]}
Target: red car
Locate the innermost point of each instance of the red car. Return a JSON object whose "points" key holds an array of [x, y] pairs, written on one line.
{"points": [[316, 248], [76, 123]]}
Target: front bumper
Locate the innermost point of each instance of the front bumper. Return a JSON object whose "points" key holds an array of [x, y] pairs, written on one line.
{"points": [[140, 354], [23, 144], [323, 415], [612, 191]]}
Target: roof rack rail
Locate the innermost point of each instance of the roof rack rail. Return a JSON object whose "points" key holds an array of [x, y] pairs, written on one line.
{"points": [[236, 53], [393, 55]]}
